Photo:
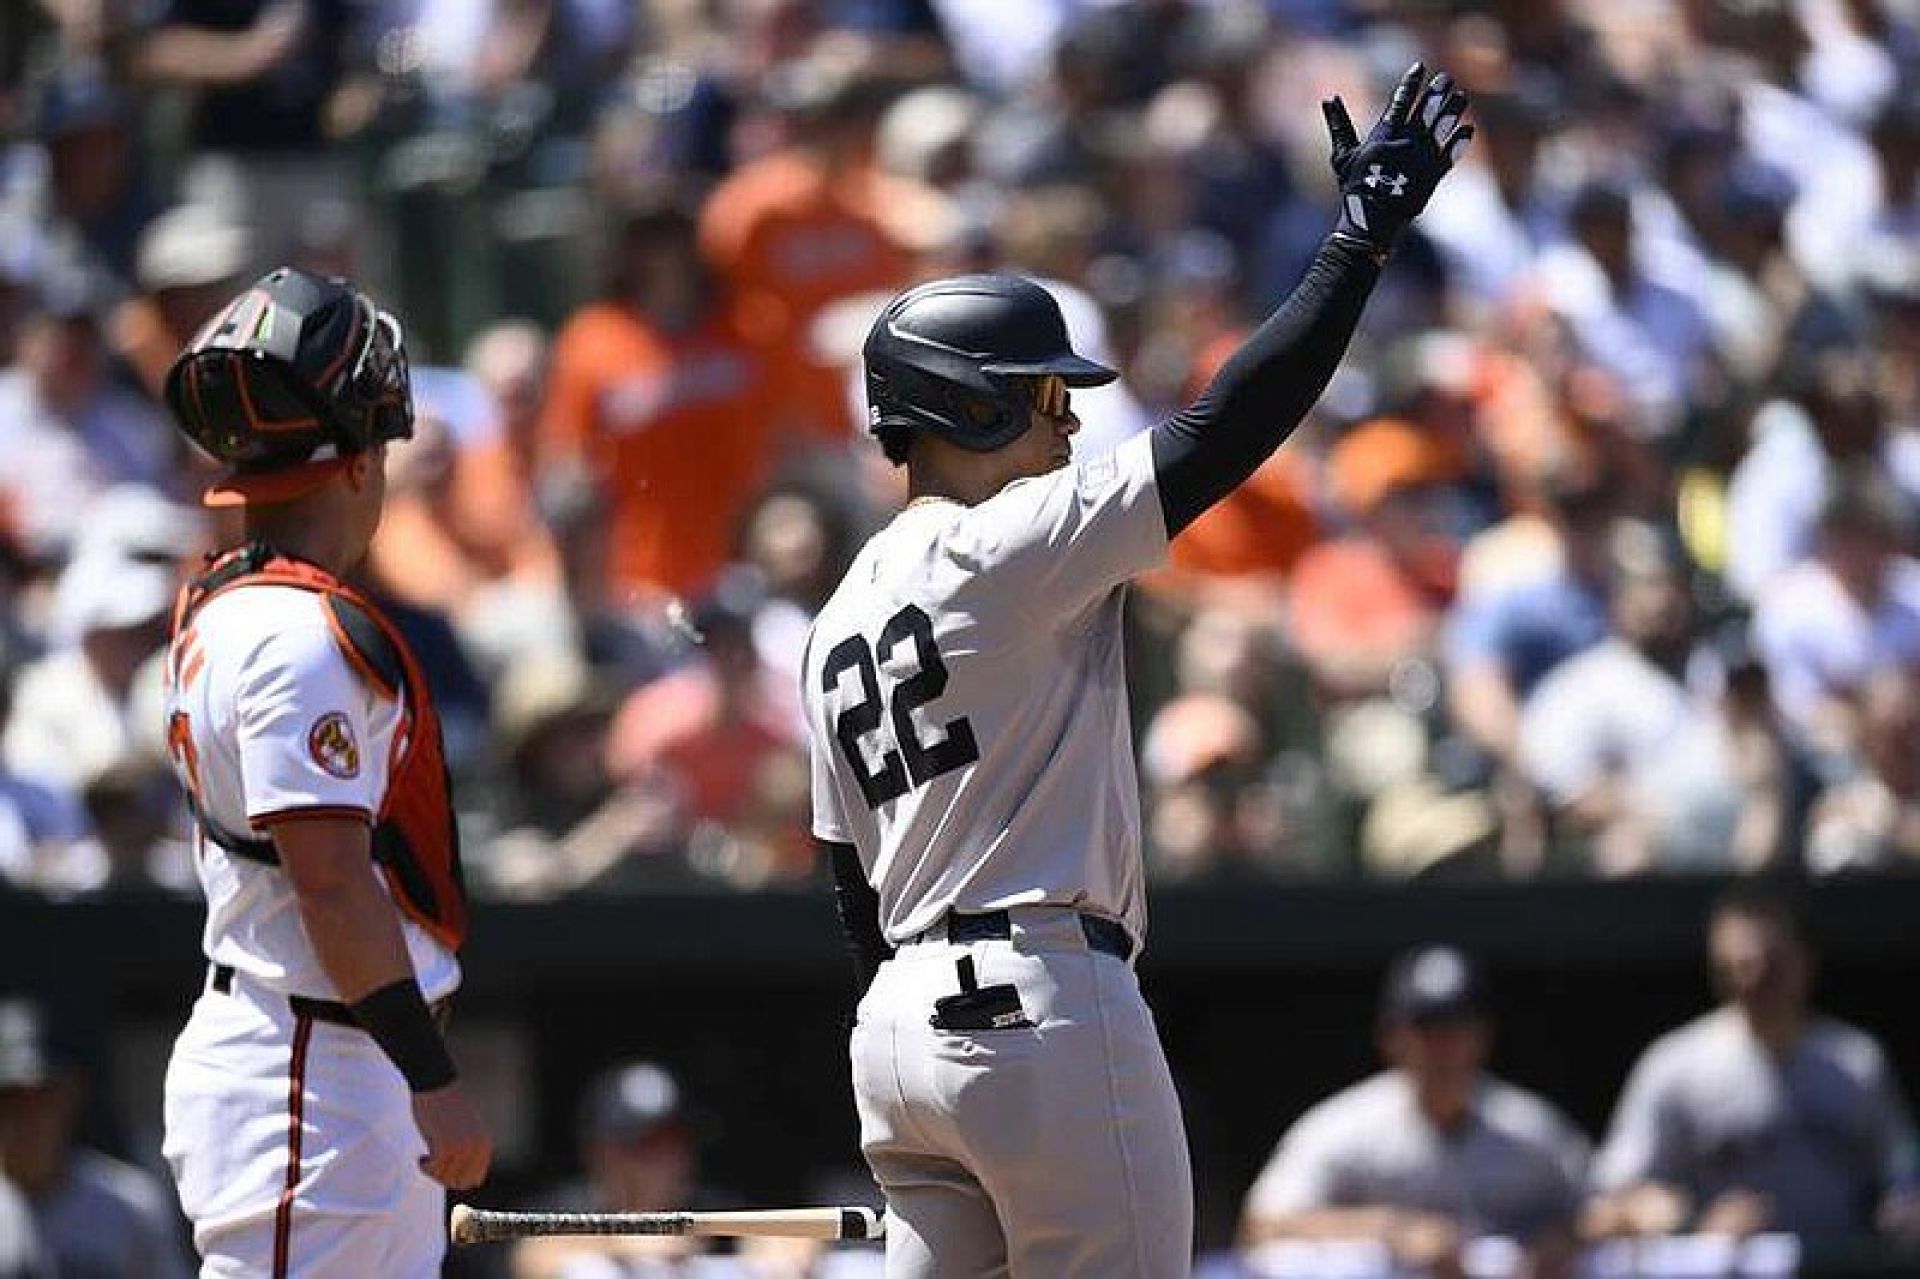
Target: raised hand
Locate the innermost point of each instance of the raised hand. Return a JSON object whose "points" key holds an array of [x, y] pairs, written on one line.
{"points": [[1387, 179]]}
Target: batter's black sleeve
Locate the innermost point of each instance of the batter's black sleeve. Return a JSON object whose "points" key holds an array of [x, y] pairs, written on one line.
{"points": [[859, 909], [1264, 390]]}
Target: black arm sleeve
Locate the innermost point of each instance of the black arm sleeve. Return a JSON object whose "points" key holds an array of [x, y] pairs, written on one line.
{"points": [[859, 909], [1260, 395]]}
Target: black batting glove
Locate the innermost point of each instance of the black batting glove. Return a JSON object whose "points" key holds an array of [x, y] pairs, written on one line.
{"points": [[1386, 180]]}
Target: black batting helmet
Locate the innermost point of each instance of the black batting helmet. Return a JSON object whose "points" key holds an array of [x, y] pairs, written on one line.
{"points": [[954, 357], [299, 369]]}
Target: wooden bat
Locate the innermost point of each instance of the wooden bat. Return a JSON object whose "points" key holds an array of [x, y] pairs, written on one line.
{"points": [[483, 1225]]}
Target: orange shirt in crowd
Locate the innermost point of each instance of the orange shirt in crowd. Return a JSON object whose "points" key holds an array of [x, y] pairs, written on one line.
{"points": [[790, 239], [1265, 525], [1349, 600], [674, 425]]}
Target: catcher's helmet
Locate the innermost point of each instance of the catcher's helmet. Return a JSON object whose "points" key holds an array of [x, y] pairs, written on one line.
{"points": [[296, 370], [953, 357]]}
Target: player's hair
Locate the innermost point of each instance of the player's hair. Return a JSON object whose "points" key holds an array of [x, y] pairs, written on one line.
{"points": [[895, 441], [1765, 903]]}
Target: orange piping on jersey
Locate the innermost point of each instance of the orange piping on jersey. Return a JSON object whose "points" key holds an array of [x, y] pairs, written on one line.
{"points": [[196, 662]]}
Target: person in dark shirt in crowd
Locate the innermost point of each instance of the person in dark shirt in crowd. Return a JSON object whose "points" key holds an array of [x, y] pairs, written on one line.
{"points": [[1762, 1114], [96, 1217], [1433, 1151]]}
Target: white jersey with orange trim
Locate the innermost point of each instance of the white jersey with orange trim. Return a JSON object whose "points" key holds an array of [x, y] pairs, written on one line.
{"points": [[268, 721], [967, 700]]}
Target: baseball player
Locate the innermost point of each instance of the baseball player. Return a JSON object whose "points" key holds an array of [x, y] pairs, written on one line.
{"points": [[972, 764], [311, 1106]]}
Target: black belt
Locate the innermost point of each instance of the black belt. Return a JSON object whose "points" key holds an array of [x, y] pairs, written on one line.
{"points": [[331, 1011], [1107, 936]]}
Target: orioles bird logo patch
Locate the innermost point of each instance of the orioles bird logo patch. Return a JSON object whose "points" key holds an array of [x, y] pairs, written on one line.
{"points": [[330, 742]]}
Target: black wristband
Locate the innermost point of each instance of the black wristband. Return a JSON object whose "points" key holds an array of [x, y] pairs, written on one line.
{"points": [[396, 1016]]}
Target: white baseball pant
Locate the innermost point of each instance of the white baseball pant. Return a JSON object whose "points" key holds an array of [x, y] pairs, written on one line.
{"points": [[1054, 1151], [293, 1145]]}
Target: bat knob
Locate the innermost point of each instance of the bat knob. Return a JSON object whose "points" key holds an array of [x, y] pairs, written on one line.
{"points": [[460, 1224], [862, 1223]]}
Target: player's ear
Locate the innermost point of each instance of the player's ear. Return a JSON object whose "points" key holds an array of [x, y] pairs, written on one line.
{"points": [[360, 466]]}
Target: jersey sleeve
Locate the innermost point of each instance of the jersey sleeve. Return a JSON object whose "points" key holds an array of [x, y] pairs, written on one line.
{"points": [[1058, 542], [1302, 1173], [1645, 1141], [302, 731], [829, 822]]}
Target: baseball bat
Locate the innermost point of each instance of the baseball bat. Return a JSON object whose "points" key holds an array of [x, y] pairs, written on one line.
{"points": [[484, 1225]]}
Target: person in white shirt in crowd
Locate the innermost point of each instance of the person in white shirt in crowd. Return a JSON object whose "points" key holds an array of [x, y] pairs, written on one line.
{"points": [[21, 1256], [95, 699], [67, 432], [39, 823], [1825, 626], [1642, 745], [1433, 1151], [1762, 1115], [1650, 335], [1824, 419], [1869, 820]]}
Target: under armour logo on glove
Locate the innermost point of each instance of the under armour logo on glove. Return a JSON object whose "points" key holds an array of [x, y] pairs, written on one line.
{"points": [[1377, 178], [1386, 180]]}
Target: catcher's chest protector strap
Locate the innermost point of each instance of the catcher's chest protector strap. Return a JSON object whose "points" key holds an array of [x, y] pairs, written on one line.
{"points": [[415, 839]]}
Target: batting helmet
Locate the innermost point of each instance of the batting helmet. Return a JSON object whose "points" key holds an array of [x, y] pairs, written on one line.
{"points": [[297, 370], [955, 356]]}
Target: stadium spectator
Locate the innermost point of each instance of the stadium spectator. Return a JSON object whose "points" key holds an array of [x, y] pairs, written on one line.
{"points": [[21, 1256], [191, 260], [1504, 641], [560, 823], [96, 200], [1869, 819], [495, 476], [1432, 1152], [70, 433], [715, 737], [94, 1214], [135, 845], [1361, 606], [1649, 335], [94, 700], [639, 1151], [808, 225], [1638, 742], [1824, 421], [263, 75], [1762, 1114], [1852, 608], [39, 822], [655, 393]]}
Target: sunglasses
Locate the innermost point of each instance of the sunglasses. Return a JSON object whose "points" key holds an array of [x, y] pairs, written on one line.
{"points": [[1050, 396]]}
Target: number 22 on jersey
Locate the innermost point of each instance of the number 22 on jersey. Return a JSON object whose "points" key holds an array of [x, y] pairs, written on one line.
{"points": [[906, 762]]}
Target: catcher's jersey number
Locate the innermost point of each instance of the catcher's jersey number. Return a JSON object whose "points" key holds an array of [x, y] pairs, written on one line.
{"points": [[906, 762]]}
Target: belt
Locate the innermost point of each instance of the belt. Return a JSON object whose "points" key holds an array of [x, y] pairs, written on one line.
{"points": [[331, 1011], [1107, 936]]}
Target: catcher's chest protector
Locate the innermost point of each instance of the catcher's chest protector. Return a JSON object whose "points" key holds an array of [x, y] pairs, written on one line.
{"points": [[415, 840]]}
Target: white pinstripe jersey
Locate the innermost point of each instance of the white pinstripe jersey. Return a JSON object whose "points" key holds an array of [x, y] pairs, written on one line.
{"points": [[967, 704]]}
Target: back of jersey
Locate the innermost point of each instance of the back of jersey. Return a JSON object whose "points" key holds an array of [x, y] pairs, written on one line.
{"points": [[966, 699]]}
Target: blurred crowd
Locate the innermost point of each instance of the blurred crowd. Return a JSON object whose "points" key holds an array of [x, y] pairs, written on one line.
{"points": [[1598, 557], [1757, 1135]]}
